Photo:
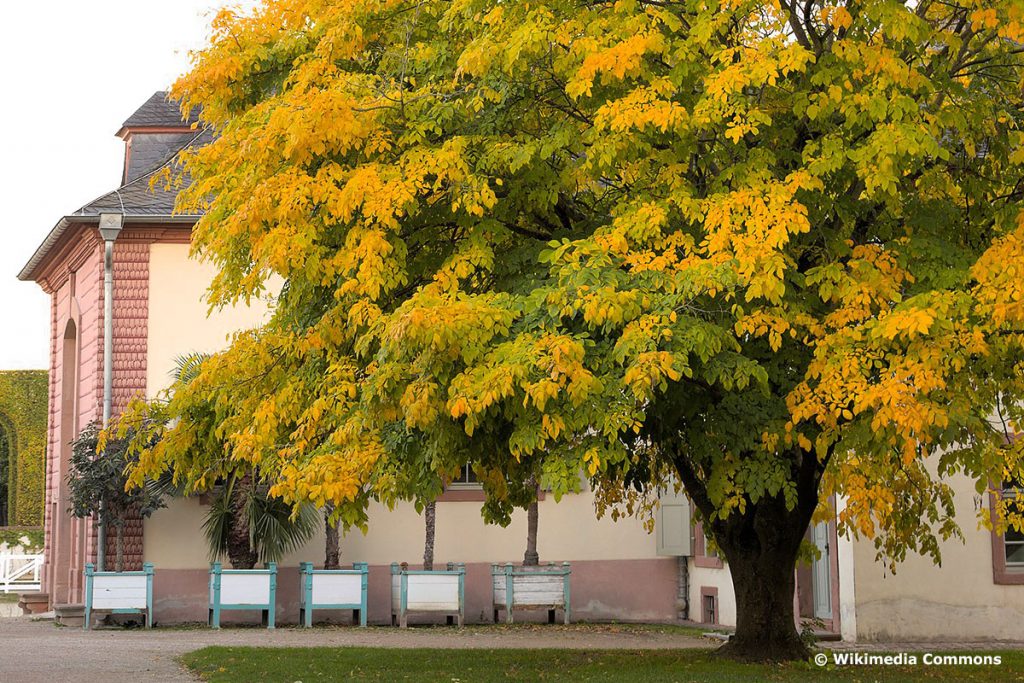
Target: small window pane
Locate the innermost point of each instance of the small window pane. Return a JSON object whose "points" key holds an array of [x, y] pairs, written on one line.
{"points": [[1015, 554], [710, 610], [466, 476]]}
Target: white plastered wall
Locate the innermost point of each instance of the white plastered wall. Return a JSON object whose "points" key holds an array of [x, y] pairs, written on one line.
{"points": [[709, 577], [847, 582], [921, 601], [178, 320], [568, 531]]}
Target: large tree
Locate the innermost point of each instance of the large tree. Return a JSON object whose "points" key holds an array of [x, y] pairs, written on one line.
{"points": [[773, 249]]}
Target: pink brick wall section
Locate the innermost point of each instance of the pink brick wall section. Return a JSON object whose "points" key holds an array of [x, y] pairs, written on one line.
{"points": [[131, 313], [131, 296], [51, 440]]}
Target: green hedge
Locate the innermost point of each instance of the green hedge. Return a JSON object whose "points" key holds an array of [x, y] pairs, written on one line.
{"points": [[12, 536], [24, 398]]}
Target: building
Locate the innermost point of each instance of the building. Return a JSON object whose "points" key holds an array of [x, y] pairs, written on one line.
{"points": [[619, 570]]}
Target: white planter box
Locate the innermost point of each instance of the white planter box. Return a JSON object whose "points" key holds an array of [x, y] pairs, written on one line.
{"points": [[429, 592], [119, 593], [242, 589], [332, 589], [541, 587]]}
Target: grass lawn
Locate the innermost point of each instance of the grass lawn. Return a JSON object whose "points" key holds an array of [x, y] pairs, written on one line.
{"points": [[308, 665], [8, 597]]}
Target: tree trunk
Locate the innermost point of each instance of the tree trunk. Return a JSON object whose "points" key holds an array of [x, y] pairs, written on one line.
{"points": [[119, 547], [430, 518], [761, 547], [765, 621], [240, 551], [333, 555], [531, 558]]}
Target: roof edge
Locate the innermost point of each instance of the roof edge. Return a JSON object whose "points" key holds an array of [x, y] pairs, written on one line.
{"points": [[124, 131], [28, 271]]}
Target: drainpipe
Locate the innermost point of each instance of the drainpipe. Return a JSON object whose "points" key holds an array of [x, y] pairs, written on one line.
{"points": [[110, 228]]}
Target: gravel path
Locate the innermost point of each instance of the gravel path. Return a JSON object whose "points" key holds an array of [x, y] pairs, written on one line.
{"points": [[39, 652]]}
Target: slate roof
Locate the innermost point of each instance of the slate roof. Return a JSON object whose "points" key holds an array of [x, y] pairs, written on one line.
{"points": [[134, 199], [159, 112]]}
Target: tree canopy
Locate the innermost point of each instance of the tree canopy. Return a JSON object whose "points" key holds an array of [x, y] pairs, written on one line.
{"points": [[773, 249]]}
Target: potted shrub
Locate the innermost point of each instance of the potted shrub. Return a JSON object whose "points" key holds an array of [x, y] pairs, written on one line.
{"points": [[98, 486], [247, 525], [428, 591], [333, 589], [531, 586]]}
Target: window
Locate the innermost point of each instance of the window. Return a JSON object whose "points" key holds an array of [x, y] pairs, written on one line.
{"points": [[1007, 548], [708, 605], [464, 488], [1013, 540], [466, 479], [703, 556]]}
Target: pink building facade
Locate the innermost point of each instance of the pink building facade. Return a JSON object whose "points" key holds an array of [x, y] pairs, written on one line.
{"points": [[69, 267]]}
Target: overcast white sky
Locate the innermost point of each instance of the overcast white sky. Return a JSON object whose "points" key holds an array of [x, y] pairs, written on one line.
{"points": [[72, 71]]}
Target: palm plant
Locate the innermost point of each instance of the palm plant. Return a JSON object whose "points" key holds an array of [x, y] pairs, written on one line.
{"points": [[249, 526], [244, 522]]}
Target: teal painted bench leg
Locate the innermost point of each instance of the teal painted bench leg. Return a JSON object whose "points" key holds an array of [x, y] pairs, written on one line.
{"points": [[148, 568], [272, 610], [510, 599], [90, 568], [306, 594], [214, 618]]}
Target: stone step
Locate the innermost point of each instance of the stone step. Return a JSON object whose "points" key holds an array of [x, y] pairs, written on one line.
{"points": [[33, 603], [69, 615]]}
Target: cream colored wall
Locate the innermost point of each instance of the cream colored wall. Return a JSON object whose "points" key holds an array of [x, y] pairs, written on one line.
{"points": [[847, 606], [707, 577], [957, 601], [178, 321], [173, 537], [568, 530]]}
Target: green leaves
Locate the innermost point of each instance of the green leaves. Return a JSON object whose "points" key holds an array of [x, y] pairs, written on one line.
{"points": [[98, 480]]}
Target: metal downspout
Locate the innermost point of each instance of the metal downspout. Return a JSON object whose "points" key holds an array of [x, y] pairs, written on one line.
{"points": [[110, 227]]}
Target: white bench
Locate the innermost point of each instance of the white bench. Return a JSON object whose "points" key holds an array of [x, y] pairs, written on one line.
{"points": [[243, 589], [332, 589]]}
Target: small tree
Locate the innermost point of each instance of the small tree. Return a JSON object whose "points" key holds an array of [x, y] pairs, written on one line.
{"points": [[332, 553], [531, 558], [430, 528], [97, 483]]}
